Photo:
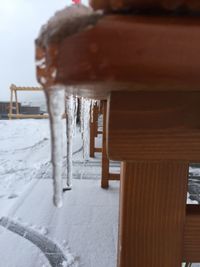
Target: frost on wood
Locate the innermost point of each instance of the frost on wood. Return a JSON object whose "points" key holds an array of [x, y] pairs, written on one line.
{"points": [[67, 22], [55, 102]]}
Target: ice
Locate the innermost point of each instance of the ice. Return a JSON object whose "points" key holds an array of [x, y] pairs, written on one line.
{"points": [[43, 80], [93, 103], [85, 118], [56, 107], [41, 63], [55, 101], [71, 109]]}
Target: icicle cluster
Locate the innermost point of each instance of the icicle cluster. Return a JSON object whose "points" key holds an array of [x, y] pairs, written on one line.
{"points": [[58, 103]]}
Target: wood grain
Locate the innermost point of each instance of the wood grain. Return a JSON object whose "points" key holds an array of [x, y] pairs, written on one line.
{"points": [[152, 214], [105, 160], [191, 251], [154, 126], [106, 175], [126, 53], [168, 5], [93, 129]]}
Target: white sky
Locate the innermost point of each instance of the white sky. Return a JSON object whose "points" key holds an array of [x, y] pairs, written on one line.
{"points": [[20, 22]]}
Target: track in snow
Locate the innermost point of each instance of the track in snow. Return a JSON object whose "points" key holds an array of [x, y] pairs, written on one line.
{"points": [[51, 250]]}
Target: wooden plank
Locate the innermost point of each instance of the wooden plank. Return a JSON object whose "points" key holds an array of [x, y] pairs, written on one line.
{"points": [[153, 5], [152, 214], [25, 88], [114, 176], [161, 53], [154, 126], [28, 116], [28, 89], [192, 234], [98, 149]]}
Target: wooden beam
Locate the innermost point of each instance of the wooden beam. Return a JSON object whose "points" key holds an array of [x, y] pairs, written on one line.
{"points": [[98, 149], [28, 116], [114, 176], [25, 88], [126, 53], [154, 126]]}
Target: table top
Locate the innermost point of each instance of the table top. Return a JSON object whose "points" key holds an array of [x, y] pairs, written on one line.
{"points": [[167, 5], [126, 53]]}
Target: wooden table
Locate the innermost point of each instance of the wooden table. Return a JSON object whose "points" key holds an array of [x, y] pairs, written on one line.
{"points": [[148, 68]]}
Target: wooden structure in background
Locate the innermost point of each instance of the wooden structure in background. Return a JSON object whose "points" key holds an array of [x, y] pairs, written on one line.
{"points": [[14, 98], [147, 68], [94, 131], [106, 175], [105, 172]]}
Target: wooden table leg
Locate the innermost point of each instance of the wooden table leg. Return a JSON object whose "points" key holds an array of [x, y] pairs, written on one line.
{"points": [[105, 161], [155, 135], [152, 214], [92, 135]]}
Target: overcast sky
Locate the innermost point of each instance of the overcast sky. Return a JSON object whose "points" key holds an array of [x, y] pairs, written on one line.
{"points": [[20, 22]]}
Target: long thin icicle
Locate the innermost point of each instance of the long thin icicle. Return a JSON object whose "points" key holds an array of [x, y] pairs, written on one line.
{"points": [[70, 124], [56, 107], [85, 118]]}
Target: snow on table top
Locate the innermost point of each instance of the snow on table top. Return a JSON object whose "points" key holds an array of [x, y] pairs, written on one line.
{"points": [[67, 22]]}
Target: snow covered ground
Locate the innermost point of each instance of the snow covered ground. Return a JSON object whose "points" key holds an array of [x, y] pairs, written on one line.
{"points": [[83, 233], [33, 233]]}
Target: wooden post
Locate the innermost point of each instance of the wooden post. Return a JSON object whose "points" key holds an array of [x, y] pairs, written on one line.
{"points": [[92, 133], [11, 104], [153, 201], [94, 130], [155, 135], [16, 103], [105, 161]]}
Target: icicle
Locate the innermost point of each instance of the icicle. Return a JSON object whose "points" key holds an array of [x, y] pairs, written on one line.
{"points": [[85, 118], [75, 112], [93, 103], [70, 124], [98, 102], [55, 102]]}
